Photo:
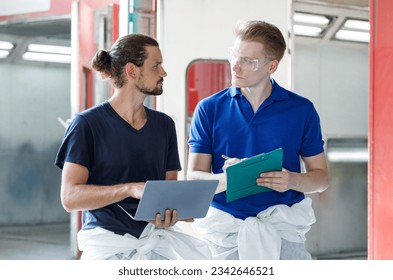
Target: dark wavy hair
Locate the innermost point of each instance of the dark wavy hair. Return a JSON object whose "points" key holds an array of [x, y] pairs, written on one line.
{"points": [[129, 48]]}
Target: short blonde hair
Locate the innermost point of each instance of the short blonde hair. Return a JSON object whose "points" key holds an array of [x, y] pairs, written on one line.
{"points": [[265, 33]]}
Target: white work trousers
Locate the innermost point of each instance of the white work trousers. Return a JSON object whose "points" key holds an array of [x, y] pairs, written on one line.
{"points": [[261, 237], [154, 244]]}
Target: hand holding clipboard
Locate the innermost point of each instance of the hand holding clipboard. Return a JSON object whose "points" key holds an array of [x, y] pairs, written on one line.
{"points": [[241, 177]]}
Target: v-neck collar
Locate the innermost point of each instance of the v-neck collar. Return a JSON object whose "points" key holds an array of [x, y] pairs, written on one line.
{"points": [[133, 129]]}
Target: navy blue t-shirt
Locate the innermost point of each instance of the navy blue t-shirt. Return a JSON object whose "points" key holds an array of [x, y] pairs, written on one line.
{"points": [[114, 153]]}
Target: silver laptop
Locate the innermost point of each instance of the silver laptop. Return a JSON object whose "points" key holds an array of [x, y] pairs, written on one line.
{"points": [[191, 199]]}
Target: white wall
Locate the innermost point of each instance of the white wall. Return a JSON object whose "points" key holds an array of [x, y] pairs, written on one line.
{"points": [[200, 29], [335, 77]]}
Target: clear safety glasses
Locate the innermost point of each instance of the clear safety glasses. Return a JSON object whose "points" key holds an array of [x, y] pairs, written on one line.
{"points": [[246, 63]]}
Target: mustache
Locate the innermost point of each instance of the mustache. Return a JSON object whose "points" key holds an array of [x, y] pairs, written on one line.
{"points": [[161, 80]]}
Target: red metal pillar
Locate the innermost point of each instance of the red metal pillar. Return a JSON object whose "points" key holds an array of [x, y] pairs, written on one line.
{"points": [[380, 170], [85, 32]]}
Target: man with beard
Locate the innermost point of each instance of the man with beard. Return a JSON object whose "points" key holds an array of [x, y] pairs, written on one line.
{"points": [[110, 150]]}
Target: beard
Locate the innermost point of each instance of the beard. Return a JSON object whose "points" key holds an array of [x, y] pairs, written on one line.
{"points": [[157, 90]]}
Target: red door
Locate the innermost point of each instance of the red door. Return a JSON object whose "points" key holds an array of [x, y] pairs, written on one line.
{"points": [[204, 78]]}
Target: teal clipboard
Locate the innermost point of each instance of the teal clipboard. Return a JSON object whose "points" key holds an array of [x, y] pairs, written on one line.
{"points": [[241, 177]]}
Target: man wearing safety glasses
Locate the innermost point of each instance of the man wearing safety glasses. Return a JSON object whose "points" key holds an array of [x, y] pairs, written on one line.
{"points": [[256, 115]]}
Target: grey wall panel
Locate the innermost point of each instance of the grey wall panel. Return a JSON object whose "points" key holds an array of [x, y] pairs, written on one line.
{"points": [[32, 97]]}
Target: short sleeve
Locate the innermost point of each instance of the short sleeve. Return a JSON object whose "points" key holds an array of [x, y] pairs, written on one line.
{"points": [[200, 131], [77, 144], [312, 143], [173, 162]]}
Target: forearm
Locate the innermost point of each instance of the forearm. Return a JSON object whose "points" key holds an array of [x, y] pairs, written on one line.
{"points": [[90, 197], [313, 181], [202, 175]]}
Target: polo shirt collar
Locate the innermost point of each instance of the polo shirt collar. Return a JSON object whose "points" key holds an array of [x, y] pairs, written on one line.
{"points": [[278, 93]]}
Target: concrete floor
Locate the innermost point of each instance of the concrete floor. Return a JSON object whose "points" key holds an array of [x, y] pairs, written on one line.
{"points": [[35, 242]]}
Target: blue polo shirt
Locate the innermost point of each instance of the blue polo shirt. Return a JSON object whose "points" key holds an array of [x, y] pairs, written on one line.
{"points": [[225, 123]]}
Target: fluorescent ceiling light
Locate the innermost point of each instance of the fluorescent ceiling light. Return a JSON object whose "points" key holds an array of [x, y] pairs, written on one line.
{"points": [[49, 49], [311, 19], [48, 53], [47, 57], [348, 35], [307, 30], [354, 30], [314, 25], [6, 45], [361, 25], [311, 25], [4, 53]]}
